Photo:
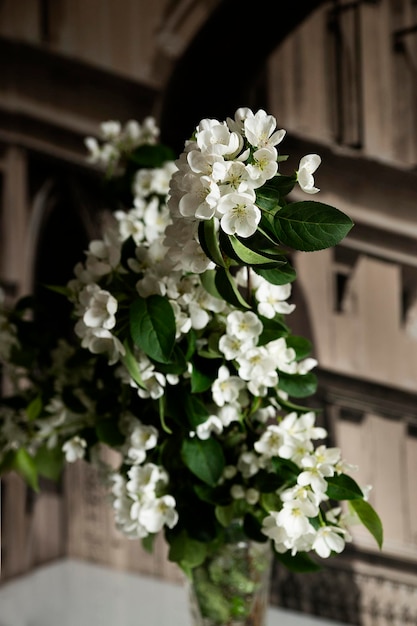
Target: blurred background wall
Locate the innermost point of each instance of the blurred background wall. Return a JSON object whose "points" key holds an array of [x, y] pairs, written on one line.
{"points": [[341, 77]]}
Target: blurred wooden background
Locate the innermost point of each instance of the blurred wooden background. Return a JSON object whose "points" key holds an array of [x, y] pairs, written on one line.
{"points": [[342, 84]]}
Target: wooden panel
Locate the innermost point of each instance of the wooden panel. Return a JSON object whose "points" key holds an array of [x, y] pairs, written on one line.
{"points": [[14, 216], [410, 486], [368, 339], [297, 84], [119, 35], [20, 20], [92, 534], [14, 524], [386, 446], [378, 447], [404, 83]]}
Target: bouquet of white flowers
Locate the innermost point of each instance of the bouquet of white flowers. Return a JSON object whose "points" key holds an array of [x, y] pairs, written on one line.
{"points": [[184, 362]]}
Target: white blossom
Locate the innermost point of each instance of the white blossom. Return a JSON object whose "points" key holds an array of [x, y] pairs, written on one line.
{"points": [[306, 169], [74, 449]]}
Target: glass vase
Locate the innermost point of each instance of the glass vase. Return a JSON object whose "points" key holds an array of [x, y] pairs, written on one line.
{"points": [[231, 587]]}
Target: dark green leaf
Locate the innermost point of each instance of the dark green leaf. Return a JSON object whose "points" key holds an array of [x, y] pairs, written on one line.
{"points": [[131, 364], [34, 408], [260, 258], [343, 487], [298, 385], [369, 518], [177, 363], [229, 290], [205, 459], [310, 226], [301, 345], [208, 238], [285, 469], [208, 280], [269, 482], [225, 514], [153, 328], [204, 373], [186, 551], [272, 329], [279, 275], [269, 195], [253, 529], [148, 543], [50, 462], [6, 462], [24, 464], [152, 156], [195, 409], [299, 563], [108, 432]]}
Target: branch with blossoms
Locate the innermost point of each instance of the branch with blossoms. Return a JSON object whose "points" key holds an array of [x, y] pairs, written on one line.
{"points": [[197, 380]]}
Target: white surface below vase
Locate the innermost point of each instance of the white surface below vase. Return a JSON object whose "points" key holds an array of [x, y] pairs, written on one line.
{"points": [[78, 593]]}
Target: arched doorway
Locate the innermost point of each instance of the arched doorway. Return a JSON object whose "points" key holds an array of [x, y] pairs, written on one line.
{"points": [[221, 68]]}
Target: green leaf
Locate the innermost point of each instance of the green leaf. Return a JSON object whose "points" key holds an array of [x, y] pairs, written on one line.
{"points": [[148, 543], [253, 529], [369, 518], [185, 551], [225, 514], [299, 563], [200, 381], [177, 363], [301, 345], [208, 238], [204, 458], [204, 373], [34, 408], [269, 482], [228, 289], [108, 432], [6, 462], [286, 469], [269, 195], [152, 155], [310, 226], [195, 409], [298, 385], [270, 501], [299, 408], [131, 364], [208, 280], [153, 328], [50, 462], [162, 406], [279, 275], [262, 258], [343, 487], [24, 464], [272, 329]]}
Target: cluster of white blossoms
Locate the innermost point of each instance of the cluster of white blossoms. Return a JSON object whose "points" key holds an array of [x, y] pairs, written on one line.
{"points": [[117, 140], [218, 174], [145, 222], [139, 497], [150, 215], [215, 178], [291, 526]]}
